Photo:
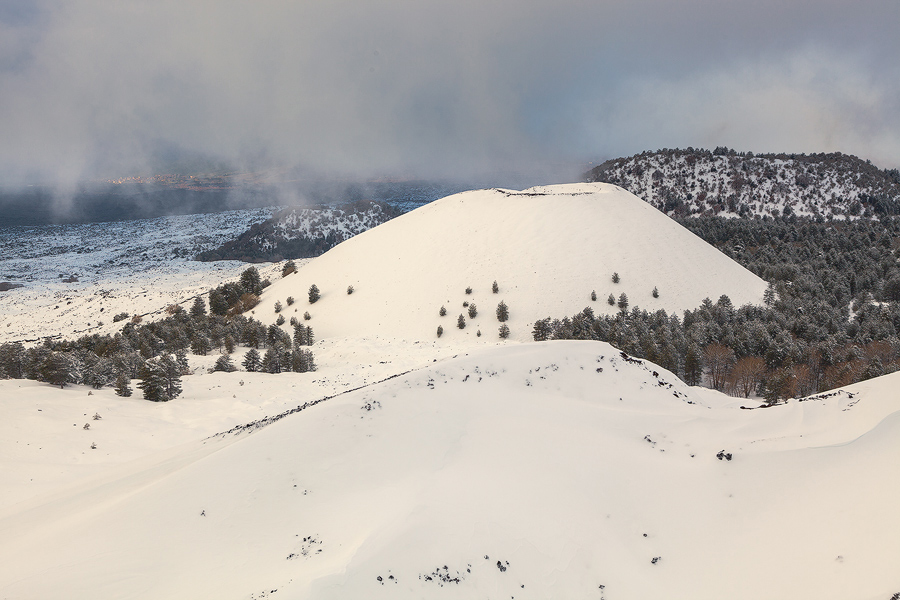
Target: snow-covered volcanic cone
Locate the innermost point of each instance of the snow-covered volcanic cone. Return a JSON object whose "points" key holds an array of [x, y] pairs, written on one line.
{"points": [[547, 247]]}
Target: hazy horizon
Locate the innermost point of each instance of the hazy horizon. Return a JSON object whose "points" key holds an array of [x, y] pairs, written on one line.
{"points": [[460, 91]]}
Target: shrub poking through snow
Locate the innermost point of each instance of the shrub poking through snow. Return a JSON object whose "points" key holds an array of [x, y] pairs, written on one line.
{"points": [[478, 333], [494, 287], [611, 300], [290, 300], [314, 294], [307, 316], [468, 290], [279, 320], [504, 331], [502, 312], [440, 330], [594, 296], [288, 268], [615, 278], [443, 312], [350, 289], [278, 306], [655, 292], [473, 310], [120, 317], [461, 322]]}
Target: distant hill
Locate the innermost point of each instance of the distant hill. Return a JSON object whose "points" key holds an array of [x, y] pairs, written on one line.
{"points": [[728, 183], [297, 232]]}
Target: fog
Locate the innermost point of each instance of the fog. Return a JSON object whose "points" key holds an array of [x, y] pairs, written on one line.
{"points": [[411, 88]]}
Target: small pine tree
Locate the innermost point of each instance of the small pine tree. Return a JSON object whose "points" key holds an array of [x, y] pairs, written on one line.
{"points": [[473, 310], [288, 268], [229, 344], [502, 312], [615, 278], [461, 322], [655, 292], [293, 322], [252, 361], [314, 294], [307, 316], [611, 300], [443, 311], [250, 281], [468, 290], [289, 300], [594, 296], [623, 302], [198, 309], [278, 306], [223, 363], [478, 333], [440, 330], [123, 388], [504, 331], [280, 320], [494, 287]]}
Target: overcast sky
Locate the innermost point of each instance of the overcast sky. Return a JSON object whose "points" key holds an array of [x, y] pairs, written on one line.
{"points": [[93, 88]]}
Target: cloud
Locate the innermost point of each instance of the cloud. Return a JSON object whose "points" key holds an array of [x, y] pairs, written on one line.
{"points": [[95, 89]]}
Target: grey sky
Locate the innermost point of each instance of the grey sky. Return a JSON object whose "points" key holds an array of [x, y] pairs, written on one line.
{"points": [[91, 88]]}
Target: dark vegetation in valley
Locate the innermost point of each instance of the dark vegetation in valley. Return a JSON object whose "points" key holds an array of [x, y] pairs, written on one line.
{"points": [[156, 352], [274, 240], [831, 318]]}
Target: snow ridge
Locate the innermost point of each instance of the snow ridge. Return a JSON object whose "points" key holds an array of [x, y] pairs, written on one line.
{"points": [[726, 183]]}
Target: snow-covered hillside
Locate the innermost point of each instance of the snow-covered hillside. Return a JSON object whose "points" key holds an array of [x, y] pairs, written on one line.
{"points": [[548, 248], [411, 466], [686, 182], [553, 470], [76, 278], [303, 232]]}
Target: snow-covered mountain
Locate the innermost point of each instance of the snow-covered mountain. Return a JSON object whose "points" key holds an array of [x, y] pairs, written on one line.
{"points": [[548, 248], [727, 183], [302, 232], [411, 466]]}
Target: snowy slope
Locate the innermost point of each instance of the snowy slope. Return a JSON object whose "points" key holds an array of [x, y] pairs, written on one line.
{"points": [[553, 470], [547, 248], [725, 183]]}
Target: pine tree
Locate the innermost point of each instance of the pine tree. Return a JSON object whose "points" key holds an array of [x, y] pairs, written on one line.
{"points": [[223, 363], [252, 361], [494, 287], [504, 331], [314, 294], [611, 300], [56, 369], [461, 322], [271, 362], [502, 312], [250, 281], [123, 388], [623, 302], [198, 309], [473, 310], [440, 330], [442, 312], [288, 268], [615, 278], [218, 305], [593, 295]]}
